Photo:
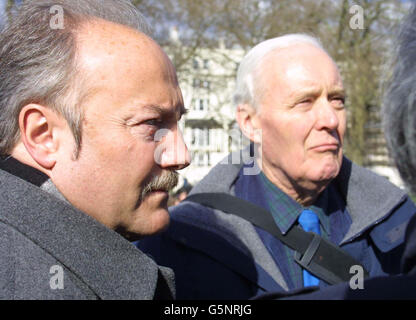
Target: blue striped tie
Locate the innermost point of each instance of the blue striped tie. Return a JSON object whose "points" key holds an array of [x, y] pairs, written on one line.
{"points": [[309, 222]]}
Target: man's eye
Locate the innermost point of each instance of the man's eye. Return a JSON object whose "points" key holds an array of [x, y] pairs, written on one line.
{"points": [[339, 101], [154, 122], [304, 102], [342, 99]]}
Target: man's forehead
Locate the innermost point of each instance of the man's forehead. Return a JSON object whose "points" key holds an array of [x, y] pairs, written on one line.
{"points": [[303, 63], [112, 58], [102, 31], [99, 42], [295, 56]]}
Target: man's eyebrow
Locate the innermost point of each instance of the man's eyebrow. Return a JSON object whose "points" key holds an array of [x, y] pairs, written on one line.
{"points": [[312, 92], [167, 112], [154, 108], [337, 92], [316, 92]]}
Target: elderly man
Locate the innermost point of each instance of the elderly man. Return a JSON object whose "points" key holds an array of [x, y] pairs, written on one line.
{"points": [[290, 104], [82, 168], [398, 108]]}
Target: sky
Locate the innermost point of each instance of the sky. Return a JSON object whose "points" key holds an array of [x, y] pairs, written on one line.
{"points": [[3, 4], [2, 7]]}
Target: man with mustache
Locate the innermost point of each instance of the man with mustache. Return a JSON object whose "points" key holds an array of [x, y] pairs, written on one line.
{"points": [[290, 102], [83, 163]]}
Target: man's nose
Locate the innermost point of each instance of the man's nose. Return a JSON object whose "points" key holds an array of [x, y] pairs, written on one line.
{"points": [[174, 154], [327, 116]]}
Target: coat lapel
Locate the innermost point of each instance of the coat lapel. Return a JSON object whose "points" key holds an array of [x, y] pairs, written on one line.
{"points": [[369, 197]]}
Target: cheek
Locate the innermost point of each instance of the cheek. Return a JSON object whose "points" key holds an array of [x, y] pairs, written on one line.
{"points": [[121, 161], [287, 135], [137, 161], [284, 146], [342, 123], [342, 128], [126, 147]]}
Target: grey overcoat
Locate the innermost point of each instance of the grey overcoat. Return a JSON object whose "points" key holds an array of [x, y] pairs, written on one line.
{"points": [[49, 250]]}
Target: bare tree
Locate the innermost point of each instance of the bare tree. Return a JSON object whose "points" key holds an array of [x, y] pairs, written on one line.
{"points": [[360, 52], [240, 24]]}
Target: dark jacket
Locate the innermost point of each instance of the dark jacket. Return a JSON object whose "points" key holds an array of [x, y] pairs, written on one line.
{"points": [[41, 235], [401, 287], [220, 256]]}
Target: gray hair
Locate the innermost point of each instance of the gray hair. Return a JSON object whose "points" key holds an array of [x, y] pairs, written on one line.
{"points": [[38, 63], [247, 87], [399, 106]]}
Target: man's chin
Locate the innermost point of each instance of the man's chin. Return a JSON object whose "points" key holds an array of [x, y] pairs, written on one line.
{"points": [[156, 196], [151, 217], [159, 222], [327, 173]]}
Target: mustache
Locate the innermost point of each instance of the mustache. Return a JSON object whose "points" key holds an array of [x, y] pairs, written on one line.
{"points": [[166, 182]]}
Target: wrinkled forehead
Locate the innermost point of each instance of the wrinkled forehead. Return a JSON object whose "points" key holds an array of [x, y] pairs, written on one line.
{"points": [[296, 67], [296, 57]]}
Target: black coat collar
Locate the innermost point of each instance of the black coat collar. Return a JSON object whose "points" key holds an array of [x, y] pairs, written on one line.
{"points": [[23, 171]]}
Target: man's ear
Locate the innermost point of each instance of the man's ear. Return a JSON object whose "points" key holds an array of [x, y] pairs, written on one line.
{"points": [[38, 126], [248, 121]]}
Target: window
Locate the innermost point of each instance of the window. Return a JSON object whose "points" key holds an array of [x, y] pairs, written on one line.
{"points": [[200, 137], [200, 104], [206, 64], [206, 84], [196, 83], [201, 159], [193, 138]]}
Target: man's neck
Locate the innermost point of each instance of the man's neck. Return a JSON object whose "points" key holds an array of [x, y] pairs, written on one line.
{"points": [[303, 192]]}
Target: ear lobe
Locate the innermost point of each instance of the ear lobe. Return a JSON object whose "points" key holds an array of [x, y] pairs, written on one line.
{"points": [[248, 121], [36, 124]]}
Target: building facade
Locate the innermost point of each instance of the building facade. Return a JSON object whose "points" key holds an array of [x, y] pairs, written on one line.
{"points": [[209, 128]]}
